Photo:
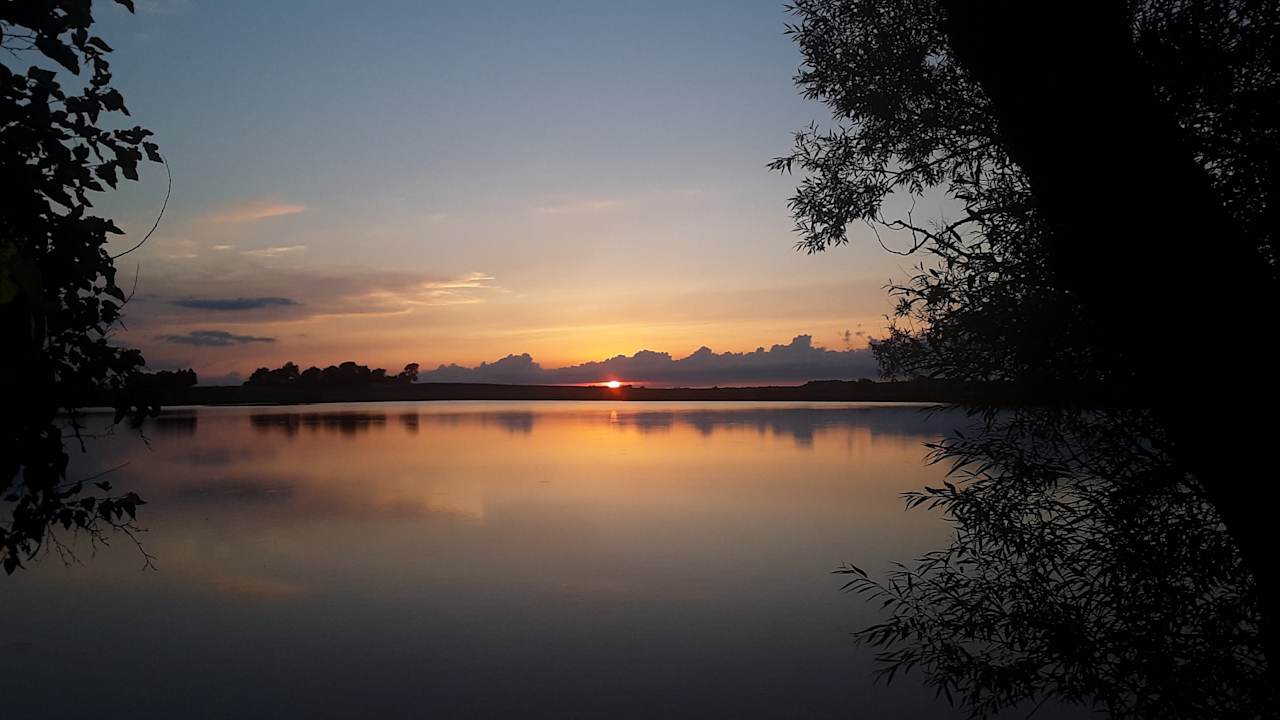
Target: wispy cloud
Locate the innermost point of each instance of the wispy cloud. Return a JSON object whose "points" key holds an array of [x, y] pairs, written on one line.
{"points": [[214, 338], [573, 203], [255, 209], [470, 280], [579, 206], [454, 292], [431, 293], [274, 251]]}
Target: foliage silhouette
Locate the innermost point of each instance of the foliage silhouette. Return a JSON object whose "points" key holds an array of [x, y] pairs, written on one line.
{"points": [[160, 388], [348, 374], [59, 298], [988, 301], [1082, 142]]}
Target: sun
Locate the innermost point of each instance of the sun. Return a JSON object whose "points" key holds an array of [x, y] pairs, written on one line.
{"points": [[613, 384]]}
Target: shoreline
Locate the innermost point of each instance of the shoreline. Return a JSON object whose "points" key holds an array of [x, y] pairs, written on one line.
{"points": [[917, 391]]}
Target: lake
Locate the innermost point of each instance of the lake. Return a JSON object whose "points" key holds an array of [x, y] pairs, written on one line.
{"points": [[482, 559]]}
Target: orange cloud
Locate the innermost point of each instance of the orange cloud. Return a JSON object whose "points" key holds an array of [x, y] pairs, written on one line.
{"points": [[458, 291], [256, 209]]}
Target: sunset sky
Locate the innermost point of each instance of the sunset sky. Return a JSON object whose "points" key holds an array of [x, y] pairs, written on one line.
{"points": [[458, 182]]}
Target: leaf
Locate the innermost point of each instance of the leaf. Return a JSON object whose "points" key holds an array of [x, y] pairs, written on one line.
{"points": [[41, 76], [107, 171], [57, 51], [113, 100], [128, 4]]}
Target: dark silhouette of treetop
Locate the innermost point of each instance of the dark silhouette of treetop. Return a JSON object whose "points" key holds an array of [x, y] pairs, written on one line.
{"points": [[348, 374], [990, 299]]}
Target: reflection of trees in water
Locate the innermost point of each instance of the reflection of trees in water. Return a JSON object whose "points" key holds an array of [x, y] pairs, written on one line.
{"points": [[1084, 568], [347, 423], [800, 424], [172, 423], [353, 422]]}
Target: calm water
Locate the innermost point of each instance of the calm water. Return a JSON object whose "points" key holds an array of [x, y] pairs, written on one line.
{"points": [[482, 559]]}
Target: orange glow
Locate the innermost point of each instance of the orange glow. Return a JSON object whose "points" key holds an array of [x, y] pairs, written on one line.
{"points": [[613, 384]]}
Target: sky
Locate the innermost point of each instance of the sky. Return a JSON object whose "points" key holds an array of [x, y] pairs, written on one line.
{"points": [[455, 183]]}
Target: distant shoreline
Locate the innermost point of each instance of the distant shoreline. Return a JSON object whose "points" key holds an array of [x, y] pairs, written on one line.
{"points": [[926, 391]]}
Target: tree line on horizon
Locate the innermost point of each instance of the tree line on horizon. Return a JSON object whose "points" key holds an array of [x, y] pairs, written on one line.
{"points": [[347, 374]]}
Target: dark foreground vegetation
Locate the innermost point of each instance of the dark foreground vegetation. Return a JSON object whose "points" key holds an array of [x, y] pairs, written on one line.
{"points": [[60, 301], [1112, 168]]}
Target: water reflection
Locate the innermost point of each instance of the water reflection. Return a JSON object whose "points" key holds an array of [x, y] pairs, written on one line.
{"points": [[799, 423], [346, 423], [180, 422], [1086, 568], [486, 559]]}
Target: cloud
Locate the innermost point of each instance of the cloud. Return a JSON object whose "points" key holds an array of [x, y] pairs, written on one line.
{"points": [[797, 362], [399, 297], [240, 303], [256, 209], [578, 206], [214, 338], [274, 251], [254, 292], [470, 280]]}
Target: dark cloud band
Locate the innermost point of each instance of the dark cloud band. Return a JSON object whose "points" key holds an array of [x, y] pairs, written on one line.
{"points": [[240, 303], [214, 338]]}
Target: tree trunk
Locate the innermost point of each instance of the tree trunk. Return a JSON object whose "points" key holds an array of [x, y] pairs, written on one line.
{"points": [[1173, 290]]}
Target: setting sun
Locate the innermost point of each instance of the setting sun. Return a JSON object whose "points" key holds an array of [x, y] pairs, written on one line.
{"points": [[613, 384]]}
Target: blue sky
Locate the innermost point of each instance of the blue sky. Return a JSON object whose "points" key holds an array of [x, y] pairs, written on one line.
{"points": [[456, 182]]}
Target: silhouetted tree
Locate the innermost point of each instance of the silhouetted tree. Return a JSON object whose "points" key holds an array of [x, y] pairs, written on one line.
{"points": [[284, 375], [348, 374], [161, 388], [1114, 166], [991, 300], [59, 298], [409, 374]]}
